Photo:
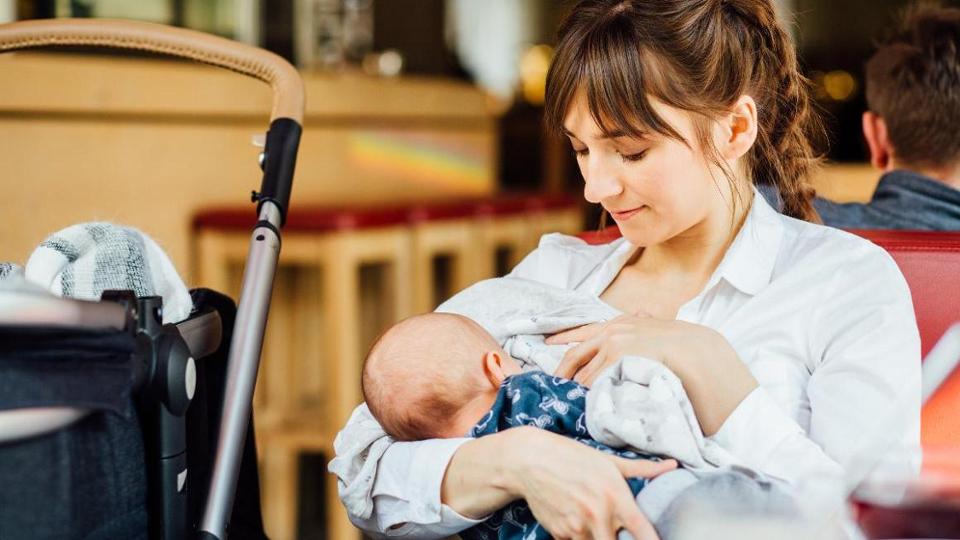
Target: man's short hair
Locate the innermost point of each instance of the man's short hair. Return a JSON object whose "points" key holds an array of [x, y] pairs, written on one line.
{"points": [[913, 83]]}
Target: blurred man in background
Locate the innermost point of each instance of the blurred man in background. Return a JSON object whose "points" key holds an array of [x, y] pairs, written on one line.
{"points": [[912, 128]]}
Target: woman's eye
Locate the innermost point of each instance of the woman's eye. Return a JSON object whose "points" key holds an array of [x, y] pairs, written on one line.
{"points": [[633, 157], [580, 152]]}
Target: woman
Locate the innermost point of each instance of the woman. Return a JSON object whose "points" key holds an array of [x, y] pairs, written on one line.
{"points": [[790, 338]]}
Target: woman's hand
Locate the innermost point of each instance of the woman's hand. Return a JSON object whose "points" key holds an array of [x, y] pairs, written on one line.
{"points": [[603, 344], [576, 491], [714, 377]]}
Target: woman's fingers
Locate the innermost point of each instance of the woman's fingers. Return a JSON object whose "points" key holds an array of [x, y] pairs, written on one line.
{"points": [[643, 468], [591, 369], [577, 357], [578, 334]]}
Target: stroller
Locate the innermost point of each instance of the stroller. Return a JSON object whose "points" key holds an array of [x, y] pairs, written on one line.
{"points": [[113, 424]]}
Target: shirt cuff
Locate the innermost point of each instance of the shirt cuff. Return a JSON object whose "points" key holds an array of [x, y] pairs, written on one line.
{"points": [[412, 497], [755, 429]]}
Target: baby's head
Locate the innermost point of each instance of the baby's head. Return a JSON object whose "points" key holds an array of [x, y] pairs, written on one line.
{"points": [[433, 376]]}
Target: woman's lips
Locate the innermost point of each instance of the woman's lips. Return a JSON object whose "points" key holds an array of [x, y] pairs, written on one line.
{"points": [[626, 214]]}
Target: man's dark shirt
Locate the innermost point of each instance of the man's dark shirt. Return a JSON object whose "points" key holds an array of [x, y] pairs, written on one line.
{"points": [[903, 200]]}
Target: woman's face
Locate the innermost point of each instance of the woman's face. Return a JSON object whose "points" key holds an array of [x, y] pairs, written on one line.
{"points": [[655, 188]]}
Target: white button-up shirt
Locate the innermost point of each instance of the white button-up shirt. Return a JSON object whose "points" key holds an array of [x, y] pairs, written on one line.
{"points": [[822, 318]]}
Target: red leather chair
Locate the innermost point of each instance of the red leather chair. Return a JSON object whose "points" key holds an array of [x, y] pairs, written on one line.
{"points": [[930, 261]]}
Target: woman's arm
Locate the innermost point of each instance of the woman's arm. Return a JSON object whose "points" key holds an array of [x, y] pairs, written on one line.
{"points": [[436, 488], [574, 491], [864, 390]]}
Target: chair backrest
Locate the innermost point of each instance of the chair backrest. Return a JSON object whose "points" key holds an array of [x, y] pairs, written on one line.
{"points": [[930, 262]]}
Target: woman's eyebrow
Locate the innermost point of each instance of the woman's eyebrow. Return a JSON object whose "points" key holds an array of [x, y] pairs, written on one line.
{"points": [[615, 134]]}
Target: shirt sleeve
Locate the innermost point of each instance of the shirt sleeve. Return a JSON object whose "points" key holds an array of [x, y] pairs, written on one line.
{"points": [[864, 390], [406, 493]]}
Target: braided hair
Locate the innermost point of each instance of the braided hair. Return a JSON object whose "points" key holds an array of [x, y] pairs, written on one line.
{"points": [[699, 56]]}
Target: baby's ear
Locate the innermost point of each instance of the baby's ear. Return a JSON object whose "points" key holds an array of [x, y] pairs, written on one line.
{"points": [[493, 368]]}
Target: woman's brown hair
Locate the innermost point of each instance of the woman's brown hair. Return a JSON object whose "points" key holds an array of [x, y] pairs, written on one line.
{"points": [[699, 56]]}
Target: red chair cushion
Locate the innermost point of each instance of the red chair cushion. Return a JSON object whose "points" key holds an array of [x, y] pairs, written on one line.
{"points": [[305, 218], [314, 218]]}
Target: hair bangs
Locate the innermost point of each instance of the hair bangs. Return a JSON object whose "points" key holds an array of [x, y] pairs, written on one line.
{"points": [[616, 76]]}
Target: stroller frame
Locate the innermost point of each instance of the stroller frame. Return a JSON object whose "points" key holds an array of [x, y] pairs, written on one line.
{"points": [[277, 162]]}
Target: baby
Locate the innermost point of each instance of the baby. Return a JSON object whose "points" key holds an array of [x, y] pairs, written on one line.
{"points": [[441, 375], [434, 376]]}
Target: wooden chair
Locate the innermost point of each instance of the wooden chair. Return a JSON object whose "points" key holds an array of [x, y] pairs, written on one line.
{"points": [[314, 347], [442, 231]]}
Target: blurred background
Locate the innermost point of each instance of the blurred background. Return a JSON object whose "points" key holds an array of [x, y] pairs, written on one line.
{"points": [[432, 107]]}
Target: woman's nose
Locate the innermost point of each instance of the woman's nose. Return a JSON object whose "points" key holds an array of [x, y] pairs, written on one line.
{"points": [[600, 182]]}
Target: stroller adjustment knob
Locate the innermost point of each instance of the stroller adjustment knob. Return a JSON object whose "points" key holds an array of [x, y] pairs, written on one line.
{"points": [[177, 373]]}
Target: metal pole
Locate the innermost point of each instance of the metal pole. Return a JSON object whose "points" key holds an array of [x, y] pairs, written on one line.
{"points": [[243, 361]]}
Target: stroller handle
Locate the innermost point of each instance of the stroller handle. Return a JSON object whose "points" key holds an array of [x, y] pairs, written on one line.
{"points": [[277, 162], [288, 93]]}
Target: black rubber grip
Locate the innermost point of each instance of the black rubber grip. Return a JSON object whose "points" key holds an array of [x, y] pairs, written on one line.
{"points": [[279, 161]]}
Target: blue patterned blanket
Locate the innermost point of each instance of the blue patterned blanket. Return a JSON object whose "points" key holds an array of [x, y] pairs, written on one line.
{"points": [[551, 403]]}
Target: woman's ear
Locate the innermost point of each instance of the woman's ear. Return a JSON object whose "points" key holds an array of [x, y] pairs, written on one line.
{"points": [[493, 368], [739, 128]]}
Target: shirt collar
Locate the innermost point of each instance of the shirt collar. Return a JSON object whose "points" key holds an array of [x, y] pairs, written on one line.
{"points": [[749, 262], [747, 265]]}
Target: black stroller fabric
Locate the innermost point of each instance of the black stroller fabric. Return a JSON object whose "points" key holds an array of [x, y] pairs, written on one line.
{"points": [[41, 367], [89, 481]]}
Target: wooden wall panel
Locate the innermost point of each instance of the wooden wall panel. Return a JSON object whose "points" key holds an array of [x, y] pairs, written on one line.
{"points": [[148, 142]]}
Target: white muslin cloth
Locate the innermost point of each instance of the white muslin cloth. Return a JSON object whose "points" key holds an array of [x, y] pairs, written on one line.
{"points": [[358, 452], [640, 403], [86, 259], [520, 313]]}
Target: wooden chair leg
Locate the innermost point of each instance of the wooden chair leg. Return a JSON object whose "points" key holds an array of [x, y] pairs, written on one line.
{"points": [[280, 488], [452, 238], [512, 232], [401, 279], [216, 254], [340, 298]]}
